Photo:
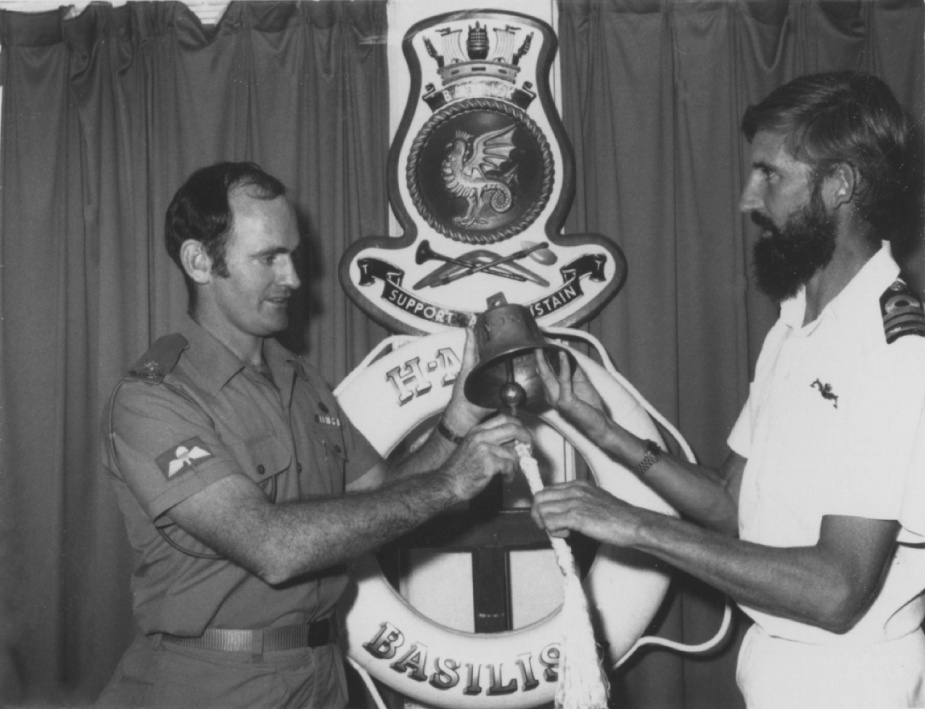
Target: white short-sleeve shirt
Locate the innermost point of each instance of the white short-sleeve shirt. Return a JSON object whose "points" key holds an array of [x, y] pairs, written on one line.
{"points": [[829, 428]]}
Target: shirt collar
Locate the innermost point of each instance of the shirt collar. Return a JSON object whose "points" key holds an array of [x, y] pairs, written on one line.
{"points": [[217, 365], [214, 362], [280, 360], [874, 277]]}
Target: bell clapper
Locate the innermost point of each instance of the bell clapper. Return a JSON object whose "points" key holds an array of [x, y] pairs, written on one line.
{"points": [[512, 394]]}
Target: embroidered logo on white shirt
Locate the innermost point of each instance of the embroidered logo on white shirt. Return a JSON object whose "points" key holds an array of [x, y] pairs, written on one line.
{"points": [[826, 391]]}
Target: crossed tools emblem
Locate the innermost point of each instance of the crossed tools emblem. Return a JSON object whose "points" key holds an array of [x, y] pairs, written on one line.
{"points": [[483, 261]]}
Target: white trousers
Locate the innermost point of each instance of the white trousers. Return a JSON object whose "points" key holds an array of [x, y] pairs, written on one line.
{"points": [[774, 673]]}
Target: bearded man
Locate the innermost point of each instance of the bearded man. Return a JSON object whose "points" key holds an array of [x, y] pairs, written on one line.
{"points": [[811, 523]]}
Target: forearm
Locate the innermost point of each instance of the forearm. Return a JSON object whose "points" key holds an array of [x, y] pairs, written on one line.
{"points": [[279, 541], [307, 536], [430, 455], [696, 491], [456, 421], [804, 584]]}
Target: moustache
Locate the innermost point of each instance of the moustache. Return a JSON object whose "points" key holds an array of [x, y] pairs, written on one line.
{"points": [[764, 221]]}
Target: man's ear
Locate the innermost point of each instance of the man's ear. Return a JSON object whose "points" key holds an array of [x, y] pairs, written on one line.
{"points": [[841, 185], [196, 261]]}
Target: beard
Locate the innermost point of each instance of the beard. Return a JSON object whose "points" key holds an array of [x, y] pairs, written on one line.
{"points": [[787, 258]]}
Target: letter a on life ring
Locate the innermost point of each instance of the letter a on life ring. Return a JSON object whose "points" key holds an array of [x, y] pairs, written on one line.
{"points": [[443, 667]]}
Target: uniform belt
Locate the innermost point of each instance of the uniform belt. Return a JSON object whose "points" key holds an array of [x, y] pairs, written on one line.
{"points": [[287, 637]]}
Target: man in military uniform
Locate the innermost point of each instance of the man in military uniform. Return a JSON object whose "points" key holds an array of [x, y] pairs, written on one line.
{"points": [[806, 523], [231, 459]]}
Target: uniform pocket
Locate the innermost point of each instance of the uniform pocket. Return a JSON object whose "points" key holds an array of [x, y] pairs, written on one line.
{"points": [[263, 460]]}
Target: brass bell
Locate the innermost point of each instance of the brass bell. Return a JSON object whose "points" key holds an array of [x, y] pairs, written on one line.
{"points": [[506, 377]]}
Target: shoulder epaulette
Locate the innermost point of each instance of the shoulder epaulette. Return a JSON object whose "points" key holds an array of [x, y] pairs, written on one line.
{"points": [[160, 358], [902, 312]]}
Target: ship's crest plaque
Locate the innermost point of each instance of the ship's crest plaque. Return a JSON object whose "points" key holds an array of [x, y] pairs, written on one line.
{"points": [[480, 179]]}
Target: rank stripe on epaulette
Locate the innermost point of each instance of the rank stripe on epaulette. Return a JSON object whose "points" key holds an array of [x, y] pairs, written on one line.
{"points": [[903, 320], [902, 312], [911, 329]]}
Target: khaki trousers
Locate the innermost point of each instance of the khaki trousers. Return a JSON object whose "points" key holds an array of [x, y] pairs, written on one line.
{"points": [[159, 675]]}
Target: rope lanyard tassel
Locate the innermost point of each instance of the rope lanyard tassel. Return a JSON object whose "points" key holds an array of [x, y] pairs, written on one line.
{"points": [[582, 681]]}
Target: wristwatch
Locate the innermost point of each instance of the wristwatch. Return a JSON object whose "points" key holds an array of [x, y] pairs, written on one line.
{"points": [[653, 453], [448, 433]]}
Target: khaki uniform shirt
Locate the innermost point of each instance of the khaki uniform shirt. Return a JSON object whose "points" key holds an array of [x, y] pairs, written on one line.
{"points": [[190, 414]]}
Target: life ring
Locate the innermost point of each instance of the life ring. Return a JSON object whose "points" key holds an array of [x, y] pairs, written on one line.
{"points": [[439, 666]]}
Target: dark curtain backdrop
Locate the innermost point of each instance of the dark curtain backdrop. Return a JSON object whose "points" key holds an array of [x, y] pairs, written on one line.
{"points": [[105, 114], [653, 92]]}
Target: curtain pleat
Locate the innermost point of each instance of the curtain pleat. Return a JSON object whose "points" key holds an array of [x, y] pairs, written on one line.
{"points": [[653, 93], [104, 115]]}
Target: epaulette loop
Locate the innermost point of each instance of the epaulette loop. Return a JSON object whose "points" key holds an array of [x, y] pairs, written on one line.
{"points": [[160, 358], [902, 312]]}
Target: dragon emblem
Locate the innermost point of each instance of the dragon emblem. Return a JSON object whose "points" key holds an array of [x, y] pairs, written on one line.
{"points": [[472, 171]]}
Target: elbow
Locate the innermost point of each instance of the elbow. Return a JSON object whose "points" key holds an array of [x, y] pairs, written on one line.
{"points": [[273, 567], [273, 575], [269, 570], [839, 623], [841, 609], [842, 622], [276, 567]]}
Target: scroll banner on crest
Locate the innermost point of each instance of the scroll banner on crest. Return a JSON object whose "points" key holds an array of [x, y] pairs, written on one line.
{"points": [[416, 306]]}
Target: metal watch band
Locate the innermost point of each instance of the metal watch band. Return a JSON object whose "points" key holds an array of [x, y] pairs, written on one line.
{"points": [[653, 453]]}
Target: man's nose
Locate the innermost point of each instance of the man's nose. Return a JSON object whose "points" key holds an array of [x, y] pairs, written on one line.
{"points": [[290, 276], [750, 200]]}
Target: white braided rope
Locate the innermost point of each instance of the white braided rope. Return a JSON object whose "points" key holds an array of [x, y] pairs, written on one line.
{"points": [[582, 681]]}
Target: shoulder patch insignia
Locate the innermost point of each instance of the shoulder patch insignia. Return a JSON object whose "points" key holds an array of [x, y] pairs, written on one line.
{"points": [[902, 312], [184, 457], [160, 358]]}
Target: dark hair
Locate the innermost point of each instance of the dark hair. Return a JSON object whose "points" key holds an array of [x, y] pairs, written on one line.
{"points": [[200, 210], [847, 117]]}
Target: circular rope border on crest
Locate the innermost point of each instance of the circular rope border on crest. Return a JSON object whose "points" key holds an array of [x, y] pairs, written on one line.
{"points": [[452, 111]]}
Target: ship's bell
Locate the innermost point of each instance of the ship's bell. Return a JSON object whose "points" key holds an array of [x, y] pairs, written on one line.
{"points": [[506, 376]]}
